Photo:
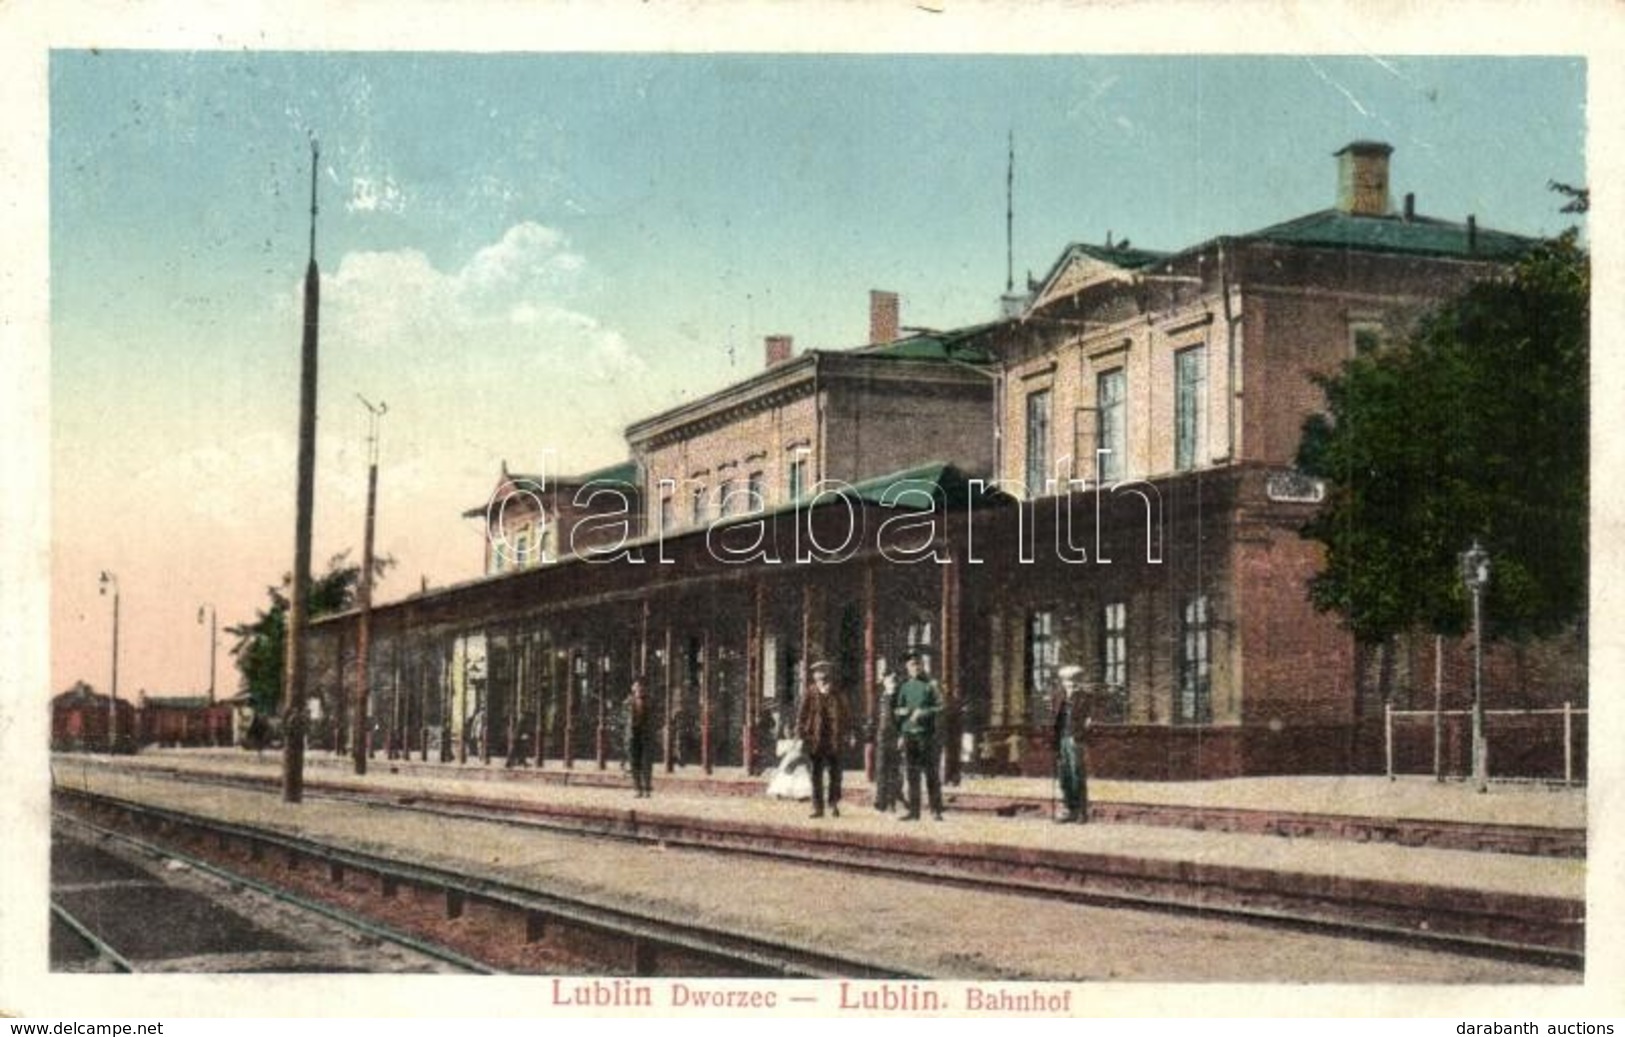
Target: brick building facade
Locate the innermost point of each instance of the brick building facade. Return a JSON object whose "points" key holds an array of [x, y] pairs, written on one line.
{"points": [[1103, 477]]}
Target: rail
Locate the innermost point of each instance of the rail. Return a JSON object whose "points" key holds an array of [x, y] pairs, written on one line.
{"points": [[646, 945]]}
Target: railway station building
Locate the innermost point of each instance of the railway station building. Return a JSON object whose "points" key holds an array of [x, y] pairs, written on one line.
{"points": [[1102, 476]]}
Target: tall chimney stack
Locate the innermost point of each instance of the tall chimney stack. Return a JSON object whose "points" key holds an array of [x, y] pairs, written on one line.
{"points": [[882, 317], [1362, 178], [779, 349]]}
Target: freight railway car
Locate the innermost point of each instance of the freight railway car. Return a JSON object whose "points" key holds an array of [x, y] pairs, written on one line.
{"points": [[79, 722]]}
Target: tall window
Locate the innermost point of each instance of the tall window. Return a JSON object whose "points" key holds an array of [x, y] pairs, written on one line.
{"points": [[1111, 423], [1037, 442], [726, 505], [1114, 662], [1043, 658], [699, 505], [798, 478], [1193, 703], [668, 514], [1190, 393], [754, 486]]}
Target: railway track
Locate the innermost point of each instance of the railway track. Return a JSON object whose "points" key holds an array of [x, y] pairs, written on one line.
{"points": [[482, 924], [1538, 933], [364, 943]]}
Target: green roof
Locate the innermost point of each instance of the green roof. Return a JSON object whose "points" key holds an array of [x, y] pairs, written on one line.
{"points": [[958, 345], [1333, 228], [943, 483], [1117, 255], [625, 473]]}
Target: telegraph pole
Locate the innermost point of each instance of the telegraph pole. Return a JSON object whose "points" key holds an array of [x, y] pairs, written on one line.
{"points": [[364, 631], [213, 641], [294, 715]]}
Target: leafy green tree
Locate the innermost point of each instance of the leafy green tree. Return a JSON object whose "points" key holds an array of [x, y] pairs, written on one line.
{"points": [[1474, 428], [262, 644]]}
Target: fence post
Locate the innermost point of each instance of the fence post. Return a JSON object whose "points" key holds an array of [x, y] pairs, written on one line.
{"points": [[1568, 745], [1388, 738]]}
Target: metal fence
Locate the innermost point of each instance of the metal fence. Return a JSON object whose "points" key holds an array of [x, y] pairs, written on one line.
{"points": [[1519, 743]]}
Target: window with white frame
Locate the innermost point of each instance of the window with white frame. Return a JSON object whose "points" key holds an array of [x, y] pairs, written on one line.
{"points": [[1043, 659], [1193, 702], [797, 484], [755, 486], [1038, 438], [1190, 411], [699, 506], [726, 505], [1111, 423], [668, 514], [1114, 662]]}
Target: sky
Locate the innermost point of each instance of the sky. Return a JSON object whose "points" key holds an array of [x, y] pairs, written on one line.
{"points": [[521, 254]]}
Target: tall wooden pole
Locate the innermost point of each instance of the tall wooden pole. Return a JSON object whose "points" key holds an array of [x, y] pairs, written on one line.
{"points": [[671, 728], [706, 668], [868, 678], [293, 690]]}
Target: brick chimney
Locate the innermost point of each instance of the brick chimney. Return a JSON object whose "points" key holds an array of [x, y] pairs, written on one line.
{"points": [[882, 317], [1362, 178], [779, 349]]}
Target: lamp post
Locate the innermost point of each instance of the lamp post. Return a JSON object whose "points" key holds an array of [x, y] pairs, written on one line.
{"points": [[213, 639], [1475, 574], [109, 579], [359, 737]]}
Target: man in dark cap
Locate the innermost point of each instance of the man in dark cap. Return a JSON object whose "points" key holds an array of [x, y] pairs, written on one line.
{"points": [[917, 705], [823, 725], [640, 738], [888, 773]]}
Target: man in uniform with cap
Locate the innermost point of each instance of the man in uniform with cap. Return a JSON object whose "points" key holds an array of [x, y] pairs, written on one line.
{"points": [[917, 705], [1071, 718], [823, 725]]}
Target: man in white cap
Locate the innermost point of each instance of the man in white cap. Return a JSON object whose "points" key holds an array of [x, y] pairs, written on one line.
{"points": [[1071, 718]]}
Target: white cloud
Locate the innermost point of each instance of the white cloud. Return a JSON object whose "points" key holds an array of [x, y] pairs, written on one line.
{"points": [[382, 194], [509, 303]]}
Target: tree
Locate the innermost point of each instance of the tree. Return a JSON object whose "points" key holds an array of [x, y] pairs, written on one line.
{"points": [[1579, 198], [262, 645], [1474, 428]]}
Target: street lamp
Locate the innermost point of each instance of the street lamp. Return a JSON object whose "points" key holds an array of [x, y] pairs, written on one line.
{"points": [[213, 638], [109, 579], [1475, 574], [363, 686]]}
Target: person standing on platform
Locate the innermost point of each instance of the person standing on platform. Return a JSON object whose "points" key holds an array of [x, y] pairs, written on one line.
{"points": [[823, 725], [918, 703], [640, 739], [1071, 720], [888, 776]]}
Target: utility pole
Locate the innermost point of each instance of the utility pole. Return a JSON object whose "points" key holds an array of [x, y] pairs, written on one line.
{"points": [[294, 715], [112, 699], [359, 737]]}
